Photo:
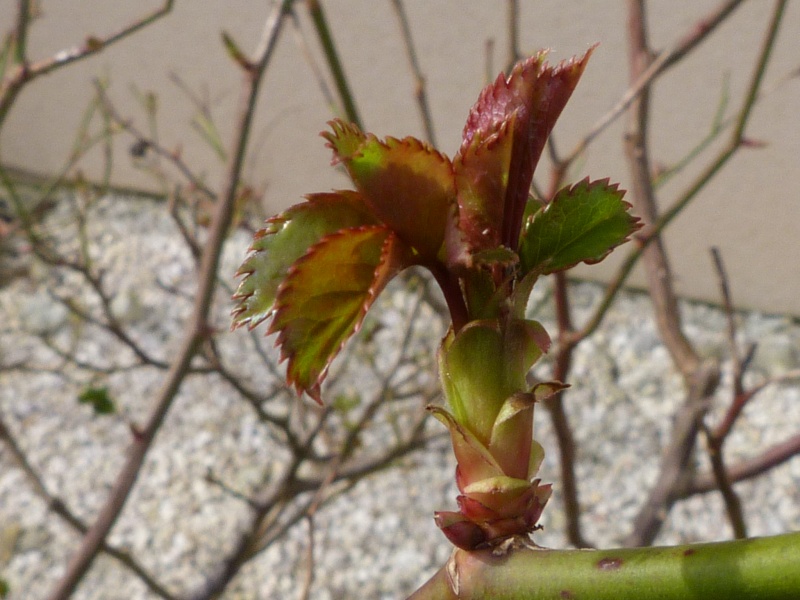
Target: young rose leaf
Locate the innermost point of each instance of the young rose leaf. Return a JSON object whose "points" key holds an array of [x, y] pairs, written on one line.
{"points": [[481, 170], [325, 296], [583, 223], [286, 238], [408, 185], [528, 103]]}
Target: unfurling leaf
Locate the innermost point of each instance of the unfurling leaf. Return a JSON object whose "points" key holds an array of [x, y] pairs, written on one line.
{"points": [[408, 185], [503, 139], [285, 239], [583, 223], [326, 294]]}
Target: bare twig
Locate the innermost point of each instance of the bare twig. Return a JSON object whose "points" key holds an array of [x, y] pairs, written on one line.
{"points": [[149, 144], [746, 469], [555, 406], [197, 328], [698, 32], [419, 78], [26, 72], [334, 64], [701, 379], [60, 508], [513, 52], [733, 506], [561, 426], [684, 435]]}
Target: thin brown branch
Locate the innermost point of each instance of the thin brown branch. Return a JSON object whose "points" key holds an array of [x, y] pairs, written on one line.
{"points": [[561, 426], [730, 316], [746, 469], [60, 508], [659, 274], [714, 442], [512, 16], [733, 506], [672, 479], [659, 65], [196, 329], [700, 379], [26, 72], [419, 79], [555, 406]]}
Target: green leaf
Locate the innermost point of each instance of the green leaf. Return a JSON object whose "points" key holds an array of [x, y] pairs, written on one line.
{"points": [[483, 365], [325, 296], [285, 239], [408, 184], [99, 399], [583, 223], [4, 588]]}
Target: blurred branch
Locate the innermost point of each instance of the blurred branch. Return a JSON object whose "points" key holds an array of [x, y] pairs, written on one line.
{"points": [[701, 379], [21, 32], [149, 144], [746, 469], [513, 52], [419, 79], [25, 72], [197, 329], [334, 63], [699, 31], [59, 507], [315, 68]]}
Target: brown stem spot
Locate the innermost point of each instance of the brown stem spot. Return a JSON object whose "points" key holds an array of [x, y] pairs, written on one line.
{"points": [[609, 564]]}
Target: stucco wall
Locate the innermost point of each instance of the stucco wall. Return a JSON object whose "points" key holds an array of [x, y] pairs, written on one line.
{"points": [[751, 210]]}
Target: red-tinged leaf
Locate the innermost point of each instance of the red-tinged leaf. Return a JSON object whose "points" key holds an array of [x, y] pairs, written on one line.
{"points": [[325, 296], [408, 184], [481, 170], [530, 99], [459, 530], [583, 223], [286, 238]]}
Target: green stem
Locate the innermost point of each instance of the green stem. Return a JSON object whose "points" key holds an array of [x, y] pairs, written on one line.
{"points": [[335, 65], [760, 568]]}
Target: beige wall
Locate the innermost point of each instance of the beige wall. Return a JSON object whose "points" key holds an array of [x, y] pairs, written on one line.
{"points": [[751, 211]]}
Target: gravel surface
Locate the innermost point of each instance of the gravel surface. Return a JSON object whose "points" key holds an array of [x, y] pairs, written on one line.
{"points": [[378, 539]]}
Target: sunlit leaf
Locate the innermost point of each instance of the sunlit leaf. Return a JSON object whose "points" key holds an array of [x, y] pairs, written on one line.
{"points": [[482, 171], [286, 238], [583, 223], [408, 184], [325, 296], [528, 102]]}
